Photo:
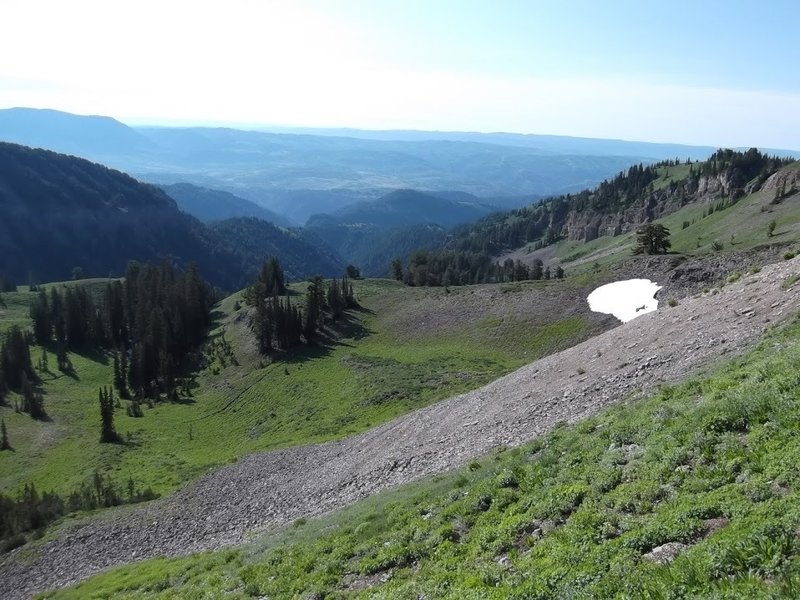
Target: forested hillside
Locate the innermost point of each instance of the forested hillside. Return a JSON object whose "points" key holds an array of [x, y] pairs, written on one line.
{"points": [[372, 234], [622, 203], [617, 206], [215, 205], [252, 240], [58, 212], [63, 217]]}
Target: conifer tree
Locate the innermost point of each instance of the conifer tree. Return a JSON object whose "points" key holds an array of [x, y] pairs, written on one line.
{"points": [[32, 400], [40, 314], [315, 301], [653, 238], [45, 362], [4, 443], [108, 435], [15, 358]]}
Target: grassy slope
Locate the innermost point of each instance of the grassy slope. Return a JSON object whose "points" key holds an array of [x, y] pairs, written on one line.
{"points": [[381, 366], [747, 221], [710, 463]]}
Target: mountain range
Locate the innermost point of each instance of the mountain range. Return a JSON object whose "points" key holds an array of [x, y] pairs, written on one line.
{"points": [[58, 212], [299, 173]]}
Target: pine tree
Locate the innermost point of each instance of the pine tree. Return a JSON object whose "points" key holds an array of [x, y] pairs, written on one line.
{"points": [[15, 358], [4, 443], [3, 386], [536, 269], [652, 238], [32, 400], [397, 269], [40, 314], [315, 300], [108, 434]]}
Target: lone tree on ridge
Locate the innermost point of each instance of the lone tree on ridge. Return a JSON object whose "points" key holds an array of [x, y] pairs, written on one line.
{"points": [[652, 238]]}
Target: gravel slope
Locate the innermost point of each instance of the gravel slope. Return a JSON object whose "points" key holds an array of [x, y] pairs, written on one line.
{"points": [[277, 487]]}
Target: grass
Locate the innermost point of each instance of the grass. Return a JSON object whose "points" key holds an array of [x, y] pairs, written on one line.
{"points": [[741, 226], [709, 464], [375, 366]]}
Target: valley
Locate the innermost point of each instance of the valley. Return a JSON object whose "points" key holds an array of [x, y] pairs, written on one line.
{"points": [[629, 361], [482, 344], [366, 300]]}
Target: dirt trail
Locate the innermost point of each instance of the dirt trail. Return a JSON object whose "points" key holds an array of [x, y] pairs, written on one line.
{"points": [[278, 487]]}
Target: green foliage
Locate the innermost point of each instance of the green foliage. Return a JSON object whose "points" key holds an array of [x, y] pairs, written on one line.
{"points": [[108, 434], [652, 238], [371, 365], [710, 464], [31, 510], [278, 324], [67, 211], [446, 268], [5, 444]]}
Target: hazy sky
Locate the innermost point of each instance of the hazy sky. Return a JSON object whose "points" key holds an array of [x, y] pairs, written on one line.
{"points": [[700, 71]]}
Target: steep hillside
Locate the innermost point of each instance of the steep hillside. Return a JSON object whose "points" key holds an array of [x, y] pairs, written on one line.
{"points": [[374, 363], [692, 461], [713, 228], [372, 234], [252, 240], [597, 226], [408, 207], [620, 205], [87, 136], [58, 212], [215, 205]]}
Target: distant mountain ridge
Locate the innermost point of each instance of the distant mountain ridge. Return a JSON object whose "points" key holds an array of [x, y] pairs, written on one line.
{"points": [[89, 136], [215, 205], [371, 234], [409, 207], [58, 212], [301, 173]]}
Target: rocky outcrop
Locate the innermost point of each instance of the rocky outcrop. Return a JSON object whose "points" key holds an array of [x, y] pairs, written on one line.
{"points": [[783, 184], [589, 224]]}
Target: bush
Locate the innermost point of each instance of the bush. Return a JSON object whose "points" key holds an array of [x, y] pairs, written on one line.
{"points": [[134, 409], [14, 541]]}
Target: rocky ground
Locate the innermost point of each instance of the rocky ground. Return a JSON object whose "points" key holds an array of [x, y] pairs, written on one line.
{"points": [[264, 490]]}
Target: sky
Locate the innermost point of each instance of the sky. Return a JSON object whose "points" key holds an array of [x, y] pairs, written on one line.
{"points": [[707, 72]]}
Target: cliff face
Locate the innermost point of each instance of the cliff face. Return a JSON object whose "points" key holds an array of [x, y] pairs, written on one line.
{"points": [[588, 224]]}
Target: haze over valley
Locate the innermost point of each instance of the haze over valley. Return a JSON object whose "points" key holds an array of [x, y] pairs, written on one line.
{"points": [[379, 300]]}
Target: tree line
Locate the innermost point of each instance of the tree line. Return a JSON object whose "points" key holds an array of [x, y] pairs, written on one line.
{"points": [[278, 323], [30, 510], [452, 267], [543, 223], [17, 374], [152, 320]]}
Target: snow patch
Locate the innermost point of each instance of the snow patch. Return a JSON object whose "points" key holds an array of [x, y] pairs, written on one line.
{"points": [[626, 299]]}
